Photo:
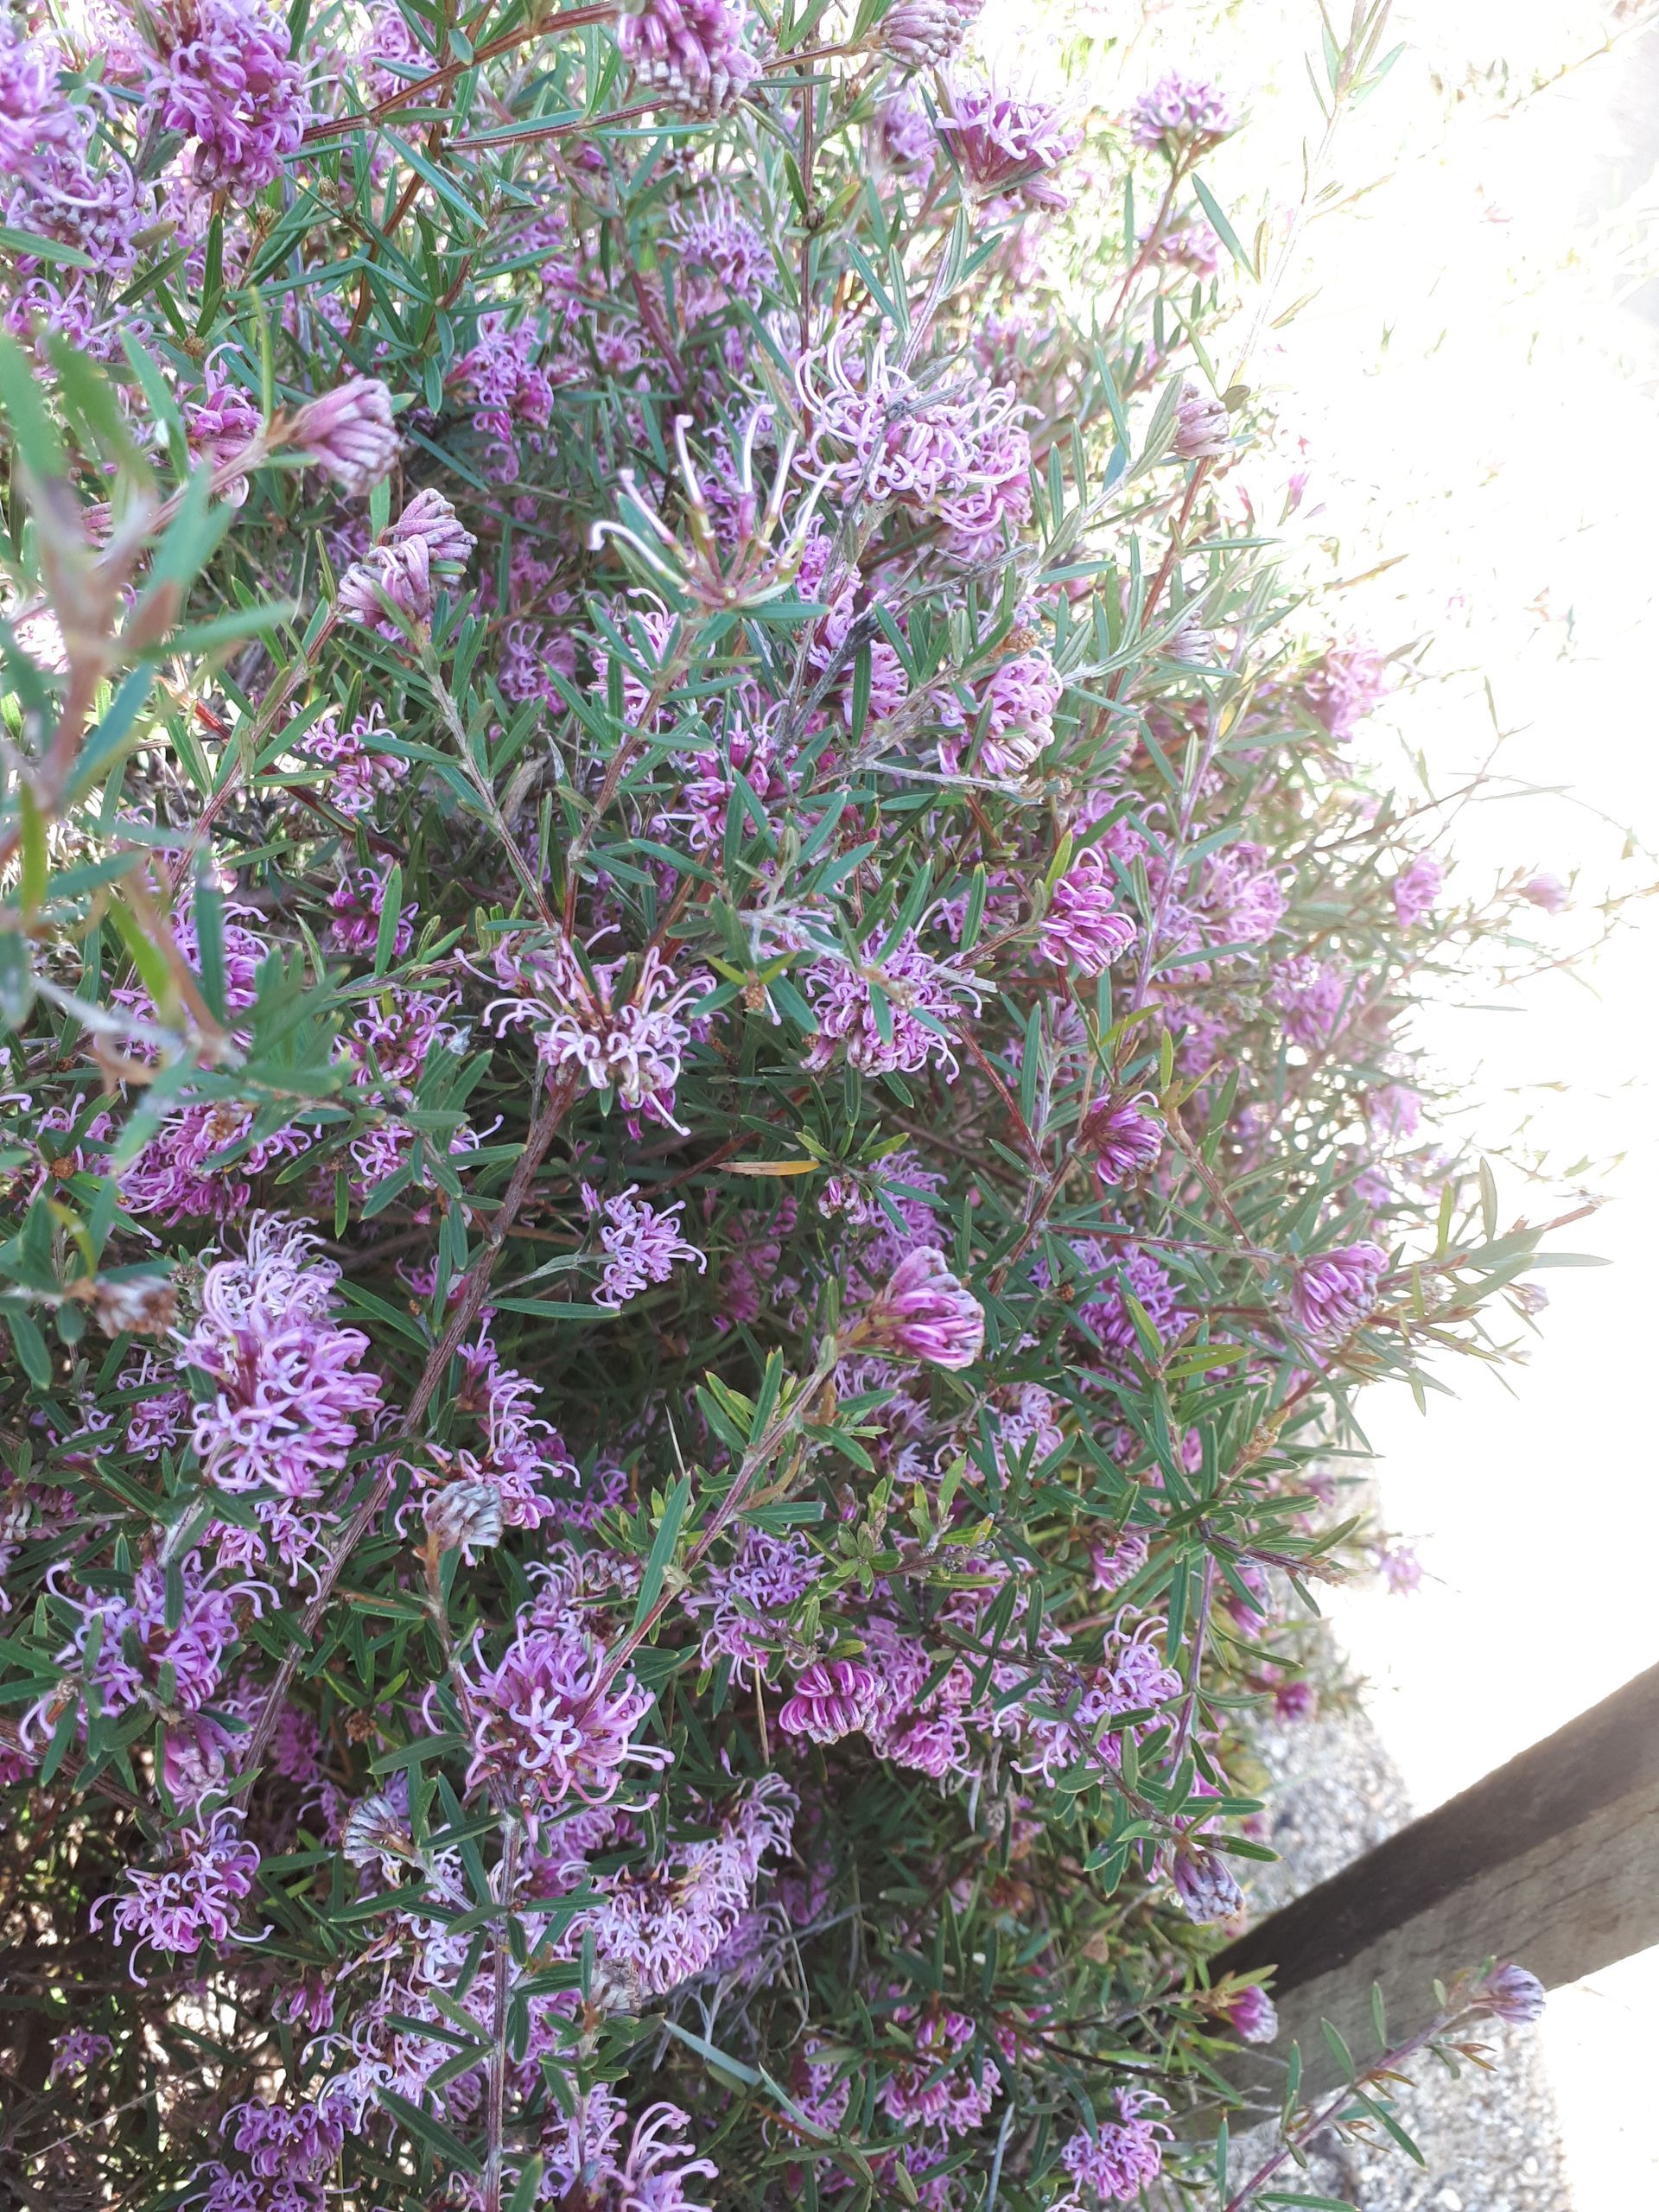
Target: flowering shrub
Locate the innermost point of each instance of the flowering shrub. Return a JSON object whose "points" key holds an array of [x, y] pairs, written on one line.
{"points": [[707, 1114]]}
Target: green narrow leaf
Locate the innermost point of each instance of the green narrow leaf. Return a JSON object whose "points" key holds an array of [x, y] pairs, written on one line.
{"points": [[1222, 228], [668, 1534]]}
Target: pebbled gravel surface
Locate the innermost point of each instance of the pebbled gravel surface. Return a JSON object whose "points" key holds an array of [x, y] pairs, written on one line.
{"points": [[1489, 2140]]}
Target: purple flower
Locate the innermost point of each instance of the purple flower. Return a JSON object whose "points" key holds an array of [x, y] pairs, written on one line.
{"points": [[136, 1641], [1205, 1884], [1109, 1273], [954, 451], [75, 2050], [585, 2163], [1316, 998], [1344, 686], [832, 1699], [33, 114], [1008, 146], [1333, 1294], [1400, 1568], [348, 432], [643, 1243], [1293, 1701], [1125, 1140], [1013, 718], [1113, 1564], [355, 904], [223, 422], [289, 1389], [921, 34], [1395, 1108], [1547, 892], [1083, 927], [297, 2140], [1416, 888], [922, 999], [661, 1925], [226, 79], [1251, 2014], [548, 1725], [632, 1042], [746, 1600], [1181, 113], [359, 774], [925, 1312], [1119, 2160], [194, 1901], [1509, 1992], [691, 51]]}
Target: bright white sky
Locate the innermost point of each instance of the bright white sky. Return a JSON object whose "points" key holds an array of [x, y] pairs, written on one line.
{"points": [[1476, 383]]}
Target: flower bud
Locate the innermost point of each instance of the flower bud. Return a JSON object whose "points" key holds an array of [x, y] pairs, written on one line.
{"points": [[1251, 2014], [1205, 1884], [348, 432], [921, 34], [925, 1311], [830, 1701], [1509, 1992], [464, 1516]]}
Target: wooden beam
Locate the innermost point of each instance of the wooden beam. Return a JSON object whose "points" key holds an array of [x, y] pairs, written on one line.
{"points": [[1553, 1860]]}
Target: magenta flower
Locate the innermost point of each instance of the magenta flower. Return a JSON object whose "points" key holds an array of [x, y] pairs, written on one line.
{"points": [[1416, 888], [1009, 146], [355, 903], [1333, 1294], [1182, 114], [691, 51], [196, 1900], [226, 77], [643, 1244], [348, 432], [1252, 2015], [1125, 1140], [1546, 891], [1083, 927], [925, 1312], [830, 1701]]}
